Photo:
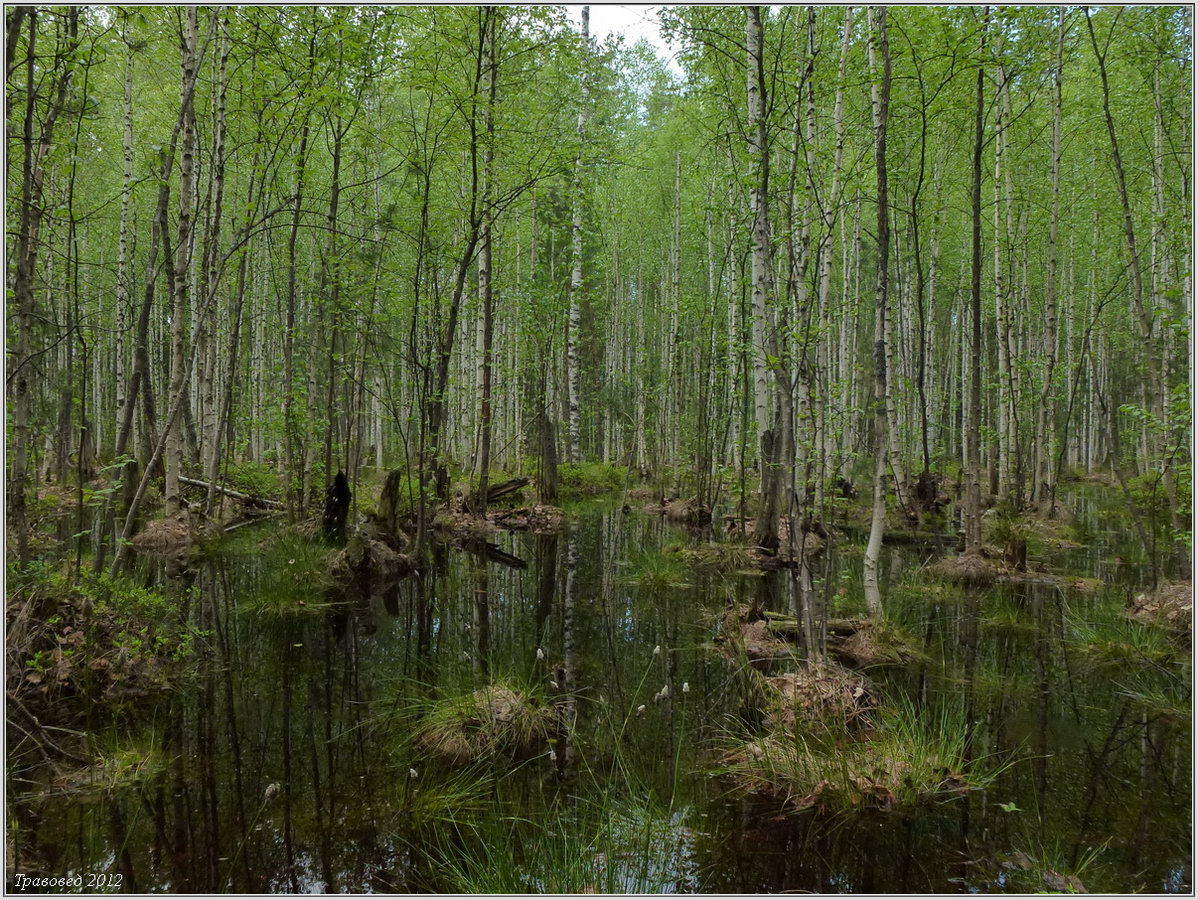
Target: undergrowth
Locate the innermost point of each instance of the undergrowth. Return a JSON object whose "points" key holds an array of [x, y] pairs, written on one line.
{"points": [[589, 478]]}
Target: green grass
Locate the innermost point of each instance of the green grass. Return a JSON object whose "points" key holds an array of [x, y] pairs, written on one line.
{"points": [[1004, 612], [589, 478], [912, 757], [502, 718], [292, 575], [1108, 639], [609, 844], [1036, 866], [656, 572]]}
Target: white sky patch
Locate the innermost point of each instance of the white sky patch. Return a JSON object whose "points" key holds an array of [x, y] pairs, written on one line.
{"points": [[634, 21]]}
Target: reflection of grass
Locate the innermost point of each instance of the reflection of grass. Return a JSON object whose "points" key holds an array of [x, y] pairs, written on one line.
{"points": [[293, 575], [1109, 639], [116, 767], [1036, 867], [992, 683], [1005, 612], [1143, 662], [1171, 700], [611, 834], [912, 758], [609, 845]]}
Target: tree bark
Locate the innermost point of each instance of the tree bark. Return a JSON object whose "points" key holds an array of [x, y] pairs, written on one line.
{"points": [[33, 173], [881, 112], [173, 462], [574, 327], [973, 490], [766, 533], [1042, 490], [485, 279]]}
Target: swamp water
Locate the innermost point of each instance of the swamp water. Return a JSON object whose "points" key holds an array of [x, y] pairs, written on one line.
{"points": [[289, 761]]}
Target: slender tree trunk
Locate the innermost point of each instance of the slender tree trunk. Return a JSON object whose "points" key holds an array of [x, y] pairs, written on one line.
{"points": [[973, 490], [123, 293], [211, 433], [33, 173], [881, 113], [291, 439], [574, 327], [1144, 316], [1042, 490], [769, 441], [485, 279], [180, 286]]}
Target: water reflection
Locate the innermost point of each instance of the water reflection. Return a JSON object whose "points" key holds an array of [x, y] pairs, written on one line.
{"points": [[286, 760]]}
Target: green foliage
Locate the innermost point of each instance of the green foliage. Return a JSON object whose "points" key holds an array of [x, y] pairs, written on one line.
{"points": [[105, 641], [1008, 528], [255, 479], [589, 478]]}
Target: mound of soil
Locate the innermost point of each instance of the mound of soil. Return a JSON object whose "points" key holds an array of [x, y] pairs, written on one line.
{"points": [[819, 692], [720, 557], [805, 542], [970, 569], [1171, 605], [540, 518], [61, 667], [462, 524], [682, 511], [491, 720], [761, 644], [863, 648], [367, 565], [174, 533]]}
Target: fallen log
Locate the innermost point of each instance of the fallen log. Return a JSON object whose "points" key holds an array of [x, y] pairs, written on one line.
{"points": [[229, 492], [495, 491]]}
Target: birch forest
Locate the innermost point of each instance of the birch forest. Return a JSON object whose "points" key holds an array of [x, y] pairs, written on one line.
{"points": [[842, 326]]}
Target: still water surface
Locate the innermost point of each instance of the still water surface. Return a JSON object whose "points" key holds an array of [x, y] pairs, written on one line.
{"points": [[287, 763]]}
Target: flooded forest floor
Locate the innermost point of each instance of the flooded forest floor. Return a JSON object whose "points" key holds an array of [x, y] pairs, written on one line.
{"points": [[614, 698]]}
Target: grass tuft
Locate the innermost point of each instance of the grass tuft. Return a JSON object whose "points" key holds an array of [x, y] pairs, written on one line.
{"points": [[498, 718], [656, 573], [910, 758], [720, 557]]}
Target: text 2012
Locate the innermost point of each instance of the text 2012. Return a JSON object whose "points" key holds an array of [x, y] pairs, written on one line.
{"points": [[87, 880]]}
